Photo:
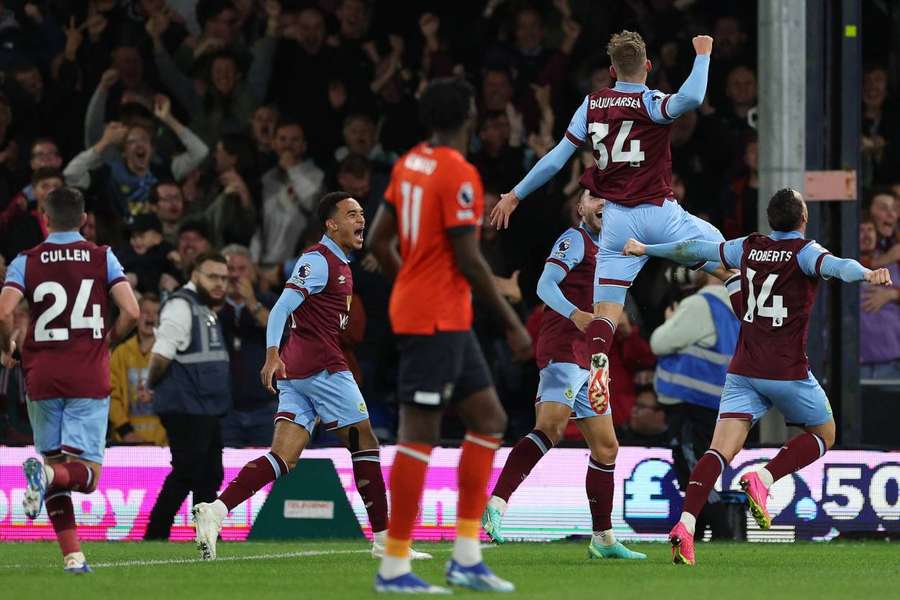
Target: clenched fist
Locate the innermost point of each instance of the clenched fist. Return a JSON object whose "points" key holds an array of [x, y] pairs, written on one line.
{"points": [[702, 44]]}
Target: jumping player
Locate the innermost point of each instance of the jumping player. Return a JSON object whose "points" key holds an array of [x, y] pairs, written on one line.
{"points": [[313, 379], [68, 283], [565, 287], [627, 127], [779, 274], [434, 204]]}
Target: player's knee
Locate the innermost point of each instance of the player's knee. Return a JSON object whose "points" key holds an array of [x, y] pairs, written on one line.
{"points": [[553, 431], [492, 422], [606, 452], [828, 437]]}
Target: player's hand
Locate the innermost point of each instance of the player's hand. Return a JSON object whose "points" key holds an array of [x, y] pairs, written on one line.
{"points": [[6, 357], [519, 342], [274, 367], [581, 319], [500, 215], [879, 277], [702, 44], [634, 248]]}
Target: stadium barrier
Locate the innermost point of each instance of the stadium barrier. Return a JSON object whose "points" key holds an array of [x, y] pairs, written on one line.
{"points": [[846, 492]]}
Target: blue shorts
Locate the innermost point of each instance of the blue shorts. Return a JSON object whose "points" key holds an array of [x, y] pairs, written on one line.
{"points": [[802, 401], [646, 223], [73, 426], [566, 383], [333, 398]]}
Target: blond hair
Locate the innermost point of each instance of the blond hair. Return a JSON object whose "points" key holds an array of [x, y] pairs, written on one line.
{"points": [[627, 52]]}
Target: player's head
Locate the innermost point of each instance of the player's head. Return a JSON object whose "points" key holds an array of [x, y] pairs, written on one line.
{"points": [[628, 54], [210, 275], [341, 217], [787, 211], [64, 208], [447, 106], [590, 209]]}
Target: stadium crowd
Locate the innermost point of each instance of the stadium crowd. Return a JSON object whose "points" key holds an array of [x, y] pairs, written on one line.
{"points": [[197, 125]]}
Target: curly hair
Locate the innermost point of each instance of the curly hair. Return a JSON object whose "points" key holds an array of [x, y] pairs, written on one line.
{"points": [[628, 52]]}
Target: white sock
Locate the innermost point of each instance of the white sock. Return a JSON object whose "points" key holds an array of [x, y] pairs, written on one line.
{"points": [[467, 551], [76, 556], [48, 474], [498, 503], [765, 477], [689, 521], [394, 566], [219, 508], [380, 537], [605, 538]]}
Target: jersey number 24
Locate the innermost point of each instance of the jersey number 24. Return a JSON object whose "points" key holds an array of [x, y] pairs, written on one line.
{"points": [[78, 320]]}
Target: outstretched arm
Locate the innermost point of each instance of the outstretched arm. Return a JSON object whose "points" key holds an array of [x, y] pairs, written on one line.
{"points": [[816, 261], [691, 93], [686, 251]]}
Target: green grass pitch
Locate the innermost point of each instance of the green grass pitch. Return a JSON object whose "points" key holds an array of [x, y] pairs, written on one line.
{"points": [[319, 570]]}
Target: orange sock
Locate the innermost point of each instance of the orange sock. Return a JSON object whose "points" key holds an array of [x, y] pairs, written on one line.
{"points": [[474, 471], [407, 483]]}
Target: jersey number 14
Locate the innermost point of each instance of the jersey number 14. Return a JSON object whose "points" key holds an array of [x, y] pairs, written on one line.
{"points": [[598, 132], [756, 305]]}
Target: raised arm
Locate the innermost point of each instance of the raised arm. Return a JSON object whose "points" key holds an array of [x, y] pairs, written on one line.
{"points": [[691, 93], [816, 261], [686, 251]]}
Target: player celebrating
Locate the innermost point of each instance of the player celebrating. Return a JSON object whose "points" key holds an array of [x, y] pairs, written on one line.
{"points": [[67, 282], [628, 130], [779, 274], [565, 287], [434, 204], [314, 381]]}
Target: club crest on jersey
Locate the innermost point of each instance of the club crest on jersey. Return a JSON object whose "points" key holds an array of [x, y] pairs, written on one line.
{"points": [[341, 279], [466, 195]]}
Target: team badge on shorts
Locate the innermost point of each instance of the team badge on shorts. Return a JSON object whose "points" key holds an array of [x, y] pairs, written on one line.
{"points": [[569, 394], [362, 408]]}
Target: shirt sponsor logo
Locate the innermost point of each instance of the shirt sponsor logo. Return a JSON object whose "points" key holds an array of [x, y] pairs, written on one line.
{"points": [[308, 509], [343, 321]]}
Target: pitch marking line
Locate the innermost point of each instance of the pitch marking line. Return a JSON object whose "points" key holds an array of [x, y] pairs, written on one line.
{"points": [[187, 561]]}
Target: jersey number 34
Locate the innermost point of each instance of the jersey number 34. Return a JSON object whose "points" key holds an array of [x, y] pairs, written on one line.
{"points": [[598, 132]]}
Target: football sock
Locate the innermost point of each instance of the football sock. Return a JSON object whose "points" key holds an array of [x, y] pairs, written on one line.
{"points": [[701, 482], [599, 484], [370, 485], [604, 538], [766, 477], [253, 476], [62, 517], [73, 476], [600, 333], [800, 451], [407, 482], [519, 463], [474, 471]]}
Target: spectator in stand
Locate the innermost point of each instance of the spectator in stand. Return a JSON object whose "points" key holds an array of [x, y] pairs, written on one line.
{"points": [[148, 256], [500, 164], [167, 202], [262, 131], [15, 427], [360, 138], [647, 424], [131, 415], [44, 153], [26, 226], [883, 213], [10, 169], [29, 35], [289, 195], [879, 317], [630, 353], [229, 187], [496, 89], [112, 86], [740, 200], [357, 52], [732, 48], [740, 91], [880, 129], [355, 176], [227, 103], [193, 240], [219, 24], [244, 317], [89, 229], [124, 183]]}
